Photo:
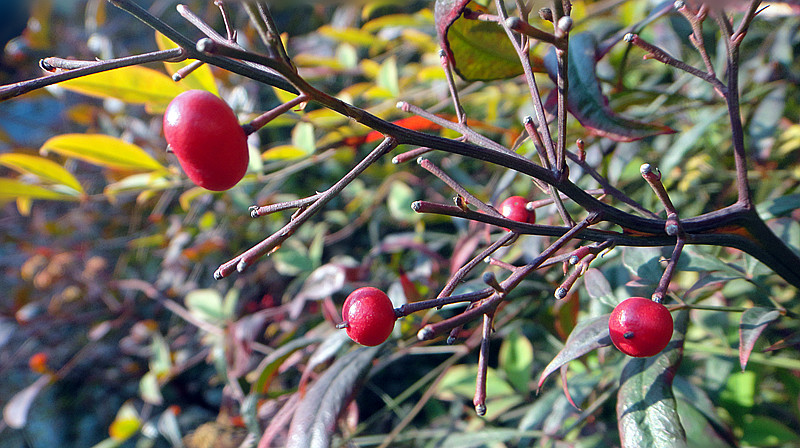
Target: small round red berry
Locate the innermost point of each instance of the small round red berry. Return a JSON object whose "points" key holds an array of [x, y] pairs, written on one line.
{"points": [[38, 362], [515, 208], [640, 327], [207, 139], [368, 315]]}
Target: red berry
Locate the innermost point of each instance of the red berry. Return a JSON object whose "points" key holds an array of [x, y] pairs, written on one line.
{"points": [[514, 208], [38, 362], [640, 327], [205, 135], [368, 315]]}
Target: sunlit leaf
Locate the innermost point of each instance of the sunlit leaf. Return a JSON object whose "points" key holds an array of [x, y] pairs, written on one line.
{"points": [[42, 167], [200, 78], [206, 304], [478, 50], [134, 85], [314, 420], [102, 150], [516, 360], [15, 412], [388, 77], [149, 389], [13, 189], [283, 152], [303, 137], [126, 423], [352, 36], [646, 407], [751, 325]]}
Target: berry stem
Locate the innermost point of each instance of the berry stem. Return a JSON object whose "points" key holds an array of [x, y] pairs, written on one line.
{"points": [[669, 271]]}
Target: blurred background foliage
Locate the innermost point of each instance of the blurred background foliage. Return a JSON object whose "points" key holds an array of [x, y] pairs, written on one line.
{"points": [[114, 333]]}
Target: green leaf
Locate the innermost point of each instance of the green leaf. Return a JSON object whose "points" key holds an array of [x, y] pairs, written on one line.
{"points": [[751, 325], [134, 85], [646, 407], [388, 77], [314, 421], [586, 101], [459, 383], [516, 360], [740, 389], [206, 304], [303, 137], [41, 167], [268, 367], [766, 431], [588, 335], [643, 262], [14, 189], [478, 50], [399, 202], [102, 150]]}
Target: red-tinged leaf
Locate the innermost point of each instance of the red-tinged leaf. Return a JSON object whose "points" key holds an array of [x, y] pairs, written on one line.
{"points": [[268, 367], [15, 412], [646, 406], [314, 420], [588, 335], [565, 386], [477, 50], [752, 323], [586, 101]]}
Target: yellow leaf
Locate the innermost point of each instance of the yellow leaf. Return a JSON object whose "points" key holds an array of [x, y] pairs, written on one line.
{"points": [[136, 85], [102, 150], [125, 424], [284, 152], [200, 78], [13, 189], [24, 206], [39, 166], [283, 96]]}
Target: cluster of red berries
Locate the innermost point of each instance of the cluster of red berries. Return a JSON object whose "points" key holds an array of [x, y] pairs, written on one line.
{"points": [[640, 327], [207, 139]]}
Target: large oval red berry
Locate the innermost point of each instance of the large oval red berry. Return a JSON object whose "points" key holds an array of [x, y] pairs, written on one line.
{"points": [[205, 135], [368, 315], [640, 327], [514, 208]]}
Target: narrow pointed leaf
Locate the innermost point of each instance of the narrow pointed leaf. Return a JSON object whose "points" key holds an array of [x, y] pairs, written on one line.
{"points": [[44, 168], [586, 101], [14, 189], [588, 335], [15, 412], [134, 85], [315, 418], [646, 406], [102, 150], [752, 323]]}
